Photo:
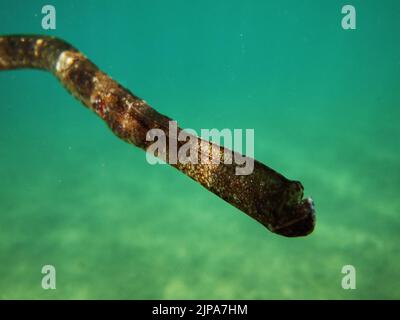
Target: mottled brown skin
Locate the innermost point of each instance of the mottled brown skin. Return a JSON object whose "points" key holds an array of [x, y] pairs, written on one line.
{"points": [[265, 195]]}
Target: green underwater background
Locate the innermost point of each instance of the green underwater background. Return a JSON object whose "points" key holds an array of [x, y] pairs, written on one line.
{"points": [[324, 103]]}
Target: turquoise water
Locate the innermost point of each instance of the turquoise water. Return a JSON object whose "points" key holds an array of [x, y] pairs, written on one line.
{"points": [[324, 103]]}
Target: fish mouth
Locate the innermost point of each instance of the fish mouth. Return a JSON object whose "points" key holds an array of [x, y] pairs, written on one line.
{"points": [[301, 226]]}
